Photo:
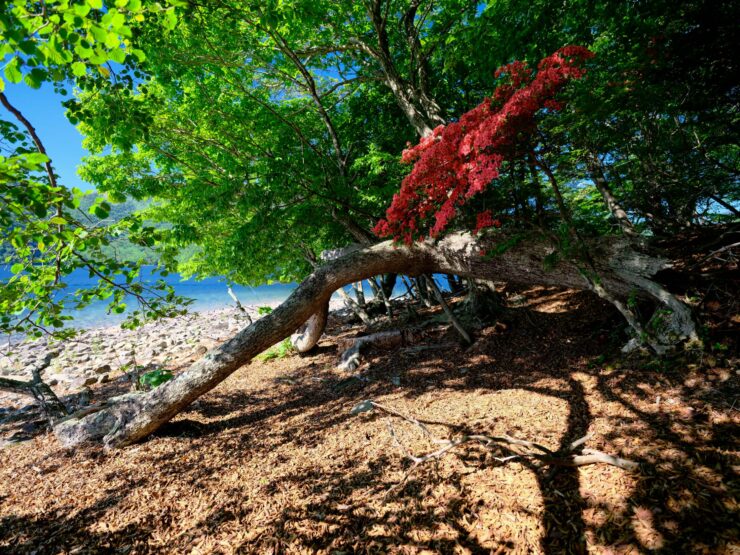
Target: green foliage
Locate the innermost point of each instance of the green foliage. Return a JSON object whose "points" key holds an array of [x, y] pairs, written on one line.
{"points": [[281, 350], [501, 247], [44, 236], [155, 378], [264, 310], [256, 135]]}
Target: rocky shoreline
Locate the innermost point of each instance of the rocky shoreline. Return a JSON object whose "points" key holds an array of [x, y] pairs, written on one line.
{"points": [[105, 354], [104, 361]]}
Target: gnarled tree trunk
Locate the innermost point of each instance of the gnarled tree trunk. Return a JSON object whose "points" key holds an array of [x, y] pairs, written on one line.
{"points": [[621, 270]]}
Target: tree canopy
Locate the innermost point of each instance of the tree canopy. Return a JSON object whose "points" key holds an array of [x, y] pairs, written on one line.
{"points": [[267, 132]]}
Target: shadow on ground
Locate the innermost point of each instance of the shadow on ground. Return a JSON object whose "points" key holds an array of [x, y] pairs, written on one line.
{"points": [[272, 461]]}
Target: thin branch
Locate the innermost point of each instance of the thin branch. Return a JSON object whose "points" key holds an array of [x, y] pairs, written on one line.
{"points": [[448, 311], [513, 448], [49, 168]]}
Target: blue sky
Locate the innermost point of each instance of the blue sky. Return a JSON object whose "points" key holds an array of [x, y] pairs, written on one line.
{"points": [[43, 108]]}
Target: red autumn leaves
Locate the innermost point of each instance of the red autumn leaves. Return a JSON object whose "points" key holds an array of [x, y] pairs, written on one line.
{"points": [[462, 158]]}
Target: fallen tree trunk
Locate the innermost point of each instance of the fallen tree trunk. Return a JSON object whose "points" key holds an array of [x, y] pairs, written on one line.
{"points": [[350, 359], [621, 270]]}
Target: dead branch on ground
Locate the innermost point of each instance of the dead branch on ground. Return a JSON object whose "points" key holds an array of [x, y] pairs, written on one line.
{"points": [[509, 448]]}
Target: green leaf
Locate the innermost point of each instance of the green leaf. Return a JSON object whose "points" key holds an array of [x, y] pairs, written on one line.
{"points": [[82, 9], [16, 268], [100, 212], [37, 158], [32, 81], [58, 220], [13, 72], [112, 40], [98, 33], [79, 69], [118, 55], [170, 19], [139, 55], [95, 4]]}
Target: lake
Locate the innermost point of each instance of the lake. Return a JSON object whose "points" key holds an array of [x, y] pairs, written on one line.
{"points": [[208, 294]]}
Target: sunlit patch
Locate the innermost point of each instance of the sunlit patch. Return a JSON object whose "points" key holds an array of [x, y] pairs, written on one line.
{"points": [[644, 526]]}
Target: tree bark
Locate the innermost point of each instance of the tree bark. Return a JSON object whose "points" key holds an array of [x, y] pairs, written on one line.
{"points": [[621, 269], [359, 293], [355, 307], [388, 282], [53, 408], [596, 169]]}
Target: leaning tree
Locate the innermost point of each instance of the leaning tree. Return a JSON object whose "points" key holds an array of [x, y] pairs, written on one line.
{"points": [[270, 131]]}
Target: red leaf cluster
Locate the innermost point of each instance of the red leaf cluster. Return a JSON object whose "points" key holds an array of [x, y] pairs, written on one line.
{"points": [[460, 159]]}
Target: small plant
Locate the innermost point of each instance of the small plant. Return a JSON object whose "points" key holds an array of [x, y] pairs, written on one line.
{"points": [[550, 261], [659, 319], [155, 378], [632, 299], [262, 310], [281, 350], [598, 361], [97, 346]]}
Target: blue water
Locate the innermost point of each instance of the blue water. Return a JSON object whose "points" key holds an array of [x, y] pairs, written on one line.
{"points": [[207, 294]]}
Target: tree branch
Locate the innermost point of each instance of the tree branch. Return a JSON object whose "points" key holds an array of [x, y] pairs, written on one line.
{"points": [[510, 448]]}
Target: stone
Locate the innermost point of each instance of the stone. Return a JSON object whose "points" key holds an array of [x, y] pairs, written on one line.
{"points": [[104, 378], [84, 381], [102, 369]]}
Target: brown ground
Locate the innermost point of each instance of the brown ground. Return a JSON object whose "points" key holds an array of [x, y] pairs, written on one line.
{"points": [[273, 462]]}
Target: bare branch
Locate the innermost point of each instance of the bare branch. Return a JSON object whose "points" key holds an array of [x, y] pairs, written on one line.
{"points": [[512, 448]]}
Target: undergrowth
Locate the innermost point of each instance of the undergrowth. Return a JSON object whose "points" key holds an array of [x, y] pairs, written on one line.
{"points": [[281, 350]]}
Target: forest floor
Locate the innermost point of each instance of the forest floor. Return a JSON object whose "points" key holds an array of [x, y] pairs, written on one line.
{"points": [[272, 461]]}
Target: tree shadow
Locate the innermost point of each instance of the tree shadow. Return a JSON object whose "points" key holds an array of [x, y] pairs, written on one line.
{"points": [[340, 502], [71, 531]]}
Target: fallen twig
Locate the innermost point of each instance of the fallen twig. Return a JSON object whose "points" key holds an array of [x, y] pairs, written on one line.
{"points": [[512, 448]]}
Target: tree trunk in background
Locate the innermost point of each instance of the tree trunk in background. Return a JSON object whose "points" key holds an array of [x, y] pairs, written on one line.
{"points": [[423, 291], [410, 288], [359, 293], [482, 301], [388, 282], [378, 288], [621, 269], [356, 309]]}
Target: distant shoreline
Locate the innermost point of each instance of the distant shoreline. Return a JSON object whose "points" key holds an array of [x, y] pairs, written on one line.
{"points": [[108, 352]]}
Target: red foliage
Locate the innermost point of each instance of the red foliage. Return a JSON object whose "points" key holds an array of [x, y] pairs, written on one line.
{"points": [[485, 219], [460, 159]]}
